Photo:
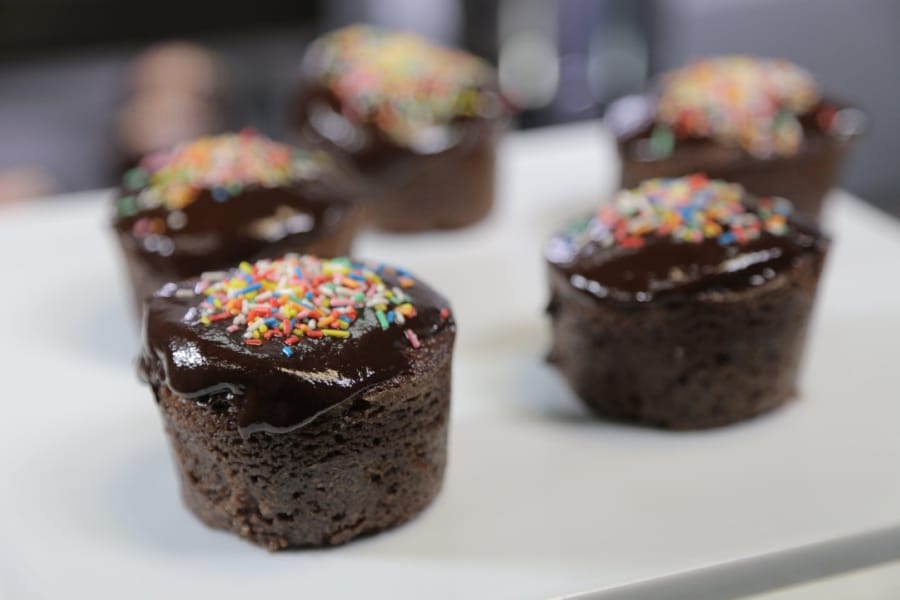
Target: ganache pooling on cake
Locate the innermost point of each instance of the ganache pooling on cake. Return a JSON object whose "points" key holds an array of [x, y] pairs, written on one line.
{"points": [[399, 81], [766, 107], [680, 236], [287, 338], [751, 102], [167, 183]]}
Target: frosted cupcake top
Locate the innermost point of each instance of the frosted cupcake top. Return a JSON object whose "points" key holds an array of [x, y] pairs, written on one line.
{"points": [[399, 82], [681, 236], [751, 102], [223, 164]]}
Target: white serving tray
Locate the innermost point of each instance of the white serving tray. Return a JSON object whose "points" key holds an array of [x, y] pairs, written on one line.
{"points": [[539, 499]]}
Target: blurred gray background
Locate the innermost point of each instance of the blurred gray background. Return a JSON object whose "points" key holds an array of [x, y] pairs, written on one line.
{"points": [[851, 47], [73, 109]]}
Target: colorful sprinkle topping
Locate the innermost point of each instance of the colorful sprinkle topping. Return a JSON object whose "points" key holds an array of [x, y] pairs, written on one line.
{"points": [[687, 209], [750, 102], [399, 81], [224, 164], [290, 299]]}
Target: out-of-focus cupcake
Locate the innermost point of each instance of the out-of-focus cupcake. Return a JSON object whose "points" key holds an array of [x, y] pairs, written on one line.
{"points": [[759, 122], [417, 121], [215, 201], [177, 91]]}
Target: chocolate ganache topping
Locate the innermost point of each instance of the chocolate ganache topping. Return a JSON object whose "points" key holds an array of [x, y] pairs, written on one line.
{"points": [[378, 95], [765, 107], [218, 199], [282, 340], [680, 237]]}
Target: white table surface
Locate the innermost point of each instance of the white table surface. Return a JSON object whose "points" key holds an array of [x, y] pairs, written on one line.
{"points": [[539, 500], [880, 582]]}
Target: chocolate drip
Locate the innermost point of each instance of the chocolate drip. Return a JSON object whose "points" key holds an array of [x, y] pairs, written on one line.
{"points": [[270, 391], [666, 268]]}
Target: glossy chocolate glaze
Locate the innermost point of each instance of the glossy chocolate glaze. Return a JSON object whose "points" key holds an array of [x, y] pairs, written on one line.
{"points": [[828, 129], [319, 119], [634, 124], [270, 391], [668, 269], [256, 222]]}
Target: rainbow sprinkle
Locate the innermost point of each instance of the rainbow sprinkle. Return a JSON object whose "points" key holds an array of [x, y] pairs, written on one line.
{"points": [[399, 81], [224, 164], [686, 209], [750, 102], [297, 297]]}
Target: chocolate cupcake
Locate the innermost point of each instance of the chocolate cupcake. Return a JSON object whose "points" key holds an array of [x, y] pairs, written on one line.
{"points": [[418, 122], [758, 122], [684, 303], [306, 400], [212, 202]]}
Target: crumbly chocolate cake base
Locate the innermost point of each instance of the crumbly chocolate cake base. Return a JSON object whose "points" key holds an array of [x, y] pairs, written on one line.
{"points": [[805, 179], [688, 364], [449, 190], [146, 277], [363, 466]]}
